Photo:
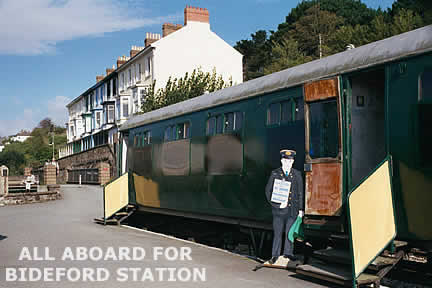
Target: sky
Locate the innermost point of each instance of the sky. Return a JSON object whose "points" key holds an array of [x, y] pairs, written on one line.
{"points": [[52, 50]]}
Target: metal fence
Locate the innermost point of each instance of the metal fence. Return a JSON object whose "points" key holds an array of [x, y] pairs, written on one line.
{"points": [[88, 176]]}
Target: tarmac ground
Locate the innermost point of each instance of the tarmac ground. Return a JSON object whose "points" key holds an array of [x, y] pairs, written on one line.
{"points": [[57, 244]]}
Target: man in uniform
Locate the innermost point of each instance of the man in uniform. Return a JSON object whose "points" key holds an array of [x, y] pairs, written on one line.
{"points": [[285, 213]]}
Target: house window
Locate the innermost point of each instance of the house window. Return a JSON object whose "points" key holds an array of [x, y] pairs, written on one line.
{"points": [[108, 89], [129, 77], [148, 67], [114, 87], [138, 72], [125, 109], [143, 94], [102, 94], [110, 113], [98, 119], [123, 81]]}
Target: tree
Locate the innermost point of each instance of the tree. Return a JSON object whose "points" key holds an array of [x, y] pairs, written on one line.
{"points": [[380, 28], [405, 20], [255, 54], [311, 26], [176, 90], [46, 123], [14, 160], [285, 55]]}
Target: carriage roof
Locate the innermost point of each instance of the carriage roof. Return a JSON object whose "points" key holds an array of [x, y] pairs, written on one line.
{"points": [[407, 44]]}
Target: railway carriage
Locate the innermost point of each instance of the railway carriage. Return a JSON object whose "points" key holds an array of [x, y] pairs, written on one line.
{"points": [[346, 115]]}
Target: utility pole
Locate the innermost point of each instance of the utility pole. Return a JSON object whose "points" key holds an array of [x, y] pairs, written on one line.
{"points": [[320, 48], [52, 144]]}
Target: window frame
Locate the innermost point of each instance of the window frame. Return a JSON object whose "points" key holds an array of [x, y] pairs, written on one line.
{"points": [[216, 116], [174, 131], [293, 101]]}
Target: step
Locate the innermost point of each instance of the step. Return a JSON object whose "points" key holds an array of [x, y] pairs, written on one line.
{"points": [[338, 274], [383, 261], [339, 256]]}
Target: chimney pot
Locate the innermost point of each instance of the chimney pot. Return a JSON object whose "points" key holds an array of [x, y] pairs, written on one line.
{"points": [[196, 14], [151, 38], [168, 28]]}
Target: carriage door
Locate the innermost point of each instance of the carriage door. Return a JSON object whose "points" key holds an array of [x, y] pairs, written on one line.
{"points": [[323, 148]]}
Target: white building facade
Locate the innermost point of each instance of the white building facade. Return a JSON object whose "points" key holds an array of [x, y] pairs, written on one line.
{"points": [[95, 115]]}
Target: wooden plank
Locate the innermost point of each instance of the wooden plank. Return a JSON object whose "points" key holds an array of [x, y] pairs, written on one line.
{"points": [[365, 278], [339, 272], [381, 262], [320, 90]]}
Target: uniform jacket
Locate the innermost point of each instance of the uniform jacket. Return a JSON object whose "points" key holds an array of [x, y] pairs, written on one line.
{"points": [[295, 200]]}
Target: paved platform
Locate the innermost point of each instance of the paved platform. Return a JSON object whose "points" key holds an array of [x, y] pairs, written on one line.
{"points": [[69, 223]]}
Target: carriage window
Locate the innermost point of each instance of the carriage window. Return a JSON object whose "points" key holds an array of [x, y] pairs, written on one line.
{"points": [[135, 143], [426, 86], [287, 107], [177, 132], [238, 120], [323, 129], [229, 122], [146, 138], [211, 126], [299, 109], [168, 134], [219, 124], [183, 130], [224, 123], [273, 114]]}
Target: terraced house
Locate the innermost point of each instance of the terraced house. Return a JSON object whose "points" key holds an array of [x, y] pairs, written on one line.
{"points": [[95, 115]]}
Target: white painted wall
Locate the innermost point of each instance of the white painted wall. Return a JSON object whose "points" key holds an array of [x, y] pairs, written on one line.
{"points": [[193, 46], [19, 138]]}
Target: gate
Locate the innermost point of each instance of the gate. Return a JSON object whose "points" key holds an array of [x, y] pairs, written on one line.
{"points": [[88, 176]]}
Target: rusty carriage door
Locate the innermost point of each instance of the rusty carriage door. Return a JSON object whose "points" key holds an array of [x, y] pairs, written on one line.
{"points": [[323, 148]]}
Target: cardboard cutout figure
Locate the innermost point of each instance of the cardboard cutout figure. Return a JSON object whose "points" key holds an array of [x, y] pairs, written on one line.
{"points": [[284, 191]]}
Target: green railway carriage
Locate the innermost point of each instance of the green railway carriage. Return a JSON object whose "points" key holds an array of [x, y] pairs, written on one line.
{"points": [[210, 157]]}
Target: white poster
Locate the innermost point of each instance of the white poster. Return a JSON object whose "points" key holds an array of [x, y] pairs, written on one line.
{"points": [[281, 191]]}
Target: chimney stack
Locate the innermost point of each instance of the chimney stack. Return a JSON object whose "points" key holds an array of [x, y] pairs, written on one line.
{"points": [[196, 14], [110, 70], [121, 60], [151, 38], [135, 50], [99, 78], [168, 28]]}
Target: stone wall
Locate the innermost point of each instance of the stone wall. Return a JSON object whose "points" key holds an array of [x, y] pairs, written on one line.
{"points": [[93, 158], [27, 198]]}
